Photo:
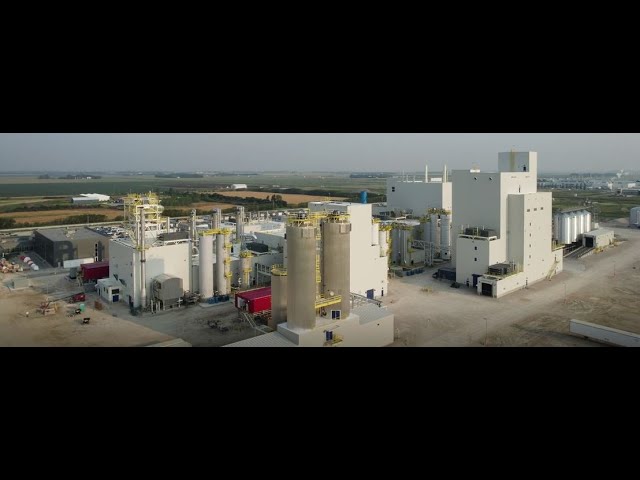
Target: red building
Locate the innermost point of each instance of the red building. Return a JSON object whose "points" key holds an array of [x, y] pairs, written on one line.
{"points": [[254, 301], [94, 271]]}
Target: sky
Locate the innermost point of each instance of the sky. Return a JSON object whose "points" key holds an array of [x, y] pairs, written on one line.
{"points": [[392, 152]]}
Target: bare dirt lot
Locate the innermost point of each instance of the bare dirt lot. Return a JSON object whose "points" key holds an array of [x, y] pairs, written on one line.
{"points": [[50, 215], [289, 198], [111, 327], [603, 288]]}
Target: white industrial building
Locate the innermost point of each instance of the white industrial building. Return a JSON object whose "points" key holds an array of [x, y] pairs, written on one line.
{"points": [[416, 197], [369, 264], [90, 198], [598, 238], [502, 227], [239, 186], [161, 258]]}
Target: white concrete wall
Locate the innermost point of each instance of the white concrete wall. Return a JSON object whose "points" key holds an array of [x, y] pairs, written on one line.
{"points": [[368, 268], [518, 162], [418, 196], [354, 332], [475, 256], [124, 261]]}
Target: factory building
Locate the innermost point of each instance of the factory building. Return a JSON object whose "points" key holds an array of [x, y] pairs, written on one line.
{"points": [[86, 198], [598, 238], [416, 197], [502, 227], [311, 297], [60, 245]]}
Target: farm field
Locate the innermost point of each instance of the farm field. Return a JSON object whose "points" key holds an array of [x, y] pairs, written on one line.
{"points": [[607, 206], [52, 215], [287, 197]]}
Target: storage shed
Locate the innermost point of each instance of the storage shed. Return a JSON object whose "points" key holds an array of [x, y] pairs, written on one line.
{"points": [[254, 301], [598, 238]]}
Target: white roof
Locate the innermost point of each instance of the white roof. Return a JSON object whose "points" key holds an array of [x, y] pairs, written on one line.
{"points": [[273, 339]]}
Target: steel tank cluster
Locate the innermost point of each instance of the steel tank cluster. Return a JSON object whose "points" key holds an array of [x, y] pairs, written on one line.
{"points": [[568, 226], [634, 217]]}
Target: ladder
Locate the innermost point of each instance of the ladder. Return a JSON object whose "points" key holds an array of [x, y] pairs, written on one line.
{"points": [[552, 270]]}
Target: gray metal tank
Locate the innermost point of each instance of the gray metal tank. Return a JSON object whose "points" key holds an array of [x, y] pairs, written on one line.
{"points": [[279, 279], [336, 248], [239, 223], [301, 270], [206, 266], [221, 283]]}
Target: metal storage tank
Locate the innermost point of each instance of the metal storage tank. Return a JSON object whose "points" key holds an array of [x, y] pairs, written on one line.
{"points": [[239, 223], [580, 230], [245, 267], [216, 218], [227, 261], [435, 230], [445, 234], [565, 228], [301, 269], [206, 266], [278, 295], [426, 235], [384, 242], [336, 258], [587, 222], [574, 227], [221, 283], [375, 233], [167, 289], [557, 225], [634, 217]]}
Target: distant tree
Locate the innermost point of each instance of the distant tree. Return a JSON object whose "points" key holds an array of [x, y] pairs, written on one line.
{"points": [[7, 222], [44, 177]]}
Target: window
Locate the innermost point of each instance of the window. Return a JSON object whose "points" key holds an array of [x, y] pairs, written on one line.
{"points": [[528, 209], [535, 209], [541, 208], [476, 248], [475, 259], [335, 314], [393, 189]]}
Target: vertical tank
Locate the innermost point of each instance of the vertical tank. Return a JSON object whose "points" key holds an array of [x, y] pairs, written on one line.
{"points": [[556, 226], [227, 261], [301, 269], [215, 219], [580, 229], [375, 233], [206, 266], [566, 228], [245, 267], [445, 235], [278, 296], [384, 242], [239, 223], [220, 280], [587, 222], [363, 196], [574, 227], [435, 230], [336, 249]]}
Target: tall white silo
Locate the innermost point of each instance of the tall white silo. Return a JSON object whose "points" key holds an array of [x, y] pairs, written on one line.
{"points": [[445, 235], [566, 228]]}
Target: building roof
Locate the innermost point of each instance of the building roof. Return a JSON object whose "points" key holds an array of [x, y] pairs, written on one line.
{"points": [[253, 294], [600, 231], [65, 235]]}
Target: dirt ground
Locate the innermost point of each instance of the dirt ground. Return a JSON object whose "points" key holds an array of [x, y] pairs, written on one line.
{"points": [[289, 198], [50, 215], [603, 288], [111, 327]]}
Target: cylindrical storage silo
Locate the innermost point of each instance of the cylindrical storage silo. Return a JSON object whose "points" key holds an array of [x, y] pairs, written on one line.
{"points": [[445, 235], [221, 283], [301, 273], [574, 227], [580, 216], [566, 228], [384, 242], [336, 249], [557, 226], [215, 220], [227, 262], [206, 266], [239, 224], [435, 230], [245, 266], [375, 233], [278, 297], [587, 222]]}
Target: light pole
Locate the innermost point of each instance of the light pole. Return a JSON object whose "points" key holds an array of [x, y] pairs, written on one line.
{"points": [[486, 328]]}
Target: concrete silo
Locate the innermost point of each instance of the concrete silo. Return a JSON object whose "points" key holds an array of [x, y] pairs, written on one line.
{"points": [[336, 248], [239, 224], [445, 235], [435, 230], [206, 266], [301, 273], [279, 279]]}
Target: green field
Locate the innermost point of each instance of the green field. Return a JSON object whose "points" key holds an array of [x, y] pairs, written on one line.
{"points": [[606, 205], [113, 185]]}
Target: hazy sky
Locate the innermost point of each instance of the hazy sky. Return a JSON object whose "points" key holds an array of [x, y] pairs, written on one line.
{"points": [[311, 151]]}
